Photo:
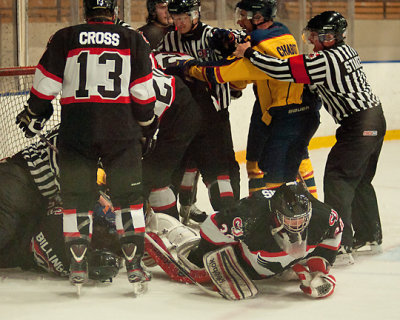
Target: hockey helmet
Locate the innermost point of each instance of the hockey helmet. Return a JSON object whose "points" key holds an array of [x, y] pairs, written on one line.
{"points": [[328, 25], [103, 265], [292, 207], [91, 5], [190, 7], [267, 8]]}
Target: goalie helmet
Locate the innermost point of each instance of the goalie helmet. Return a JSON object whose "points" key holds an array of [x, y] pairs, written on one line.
{"points": [[91, 5], [326, 25], [191, 7], [267, 8], [292, 207]]}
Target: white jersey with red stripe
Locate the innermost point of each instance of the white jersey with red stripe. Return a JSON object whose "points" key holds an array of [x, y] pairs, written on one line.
{"points": [[247, 226], [104, 74]]}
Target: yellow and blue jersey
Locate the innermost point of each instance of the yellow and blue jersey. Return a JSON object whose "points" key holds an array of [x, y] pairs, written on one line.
{"points": [[275, 41]]}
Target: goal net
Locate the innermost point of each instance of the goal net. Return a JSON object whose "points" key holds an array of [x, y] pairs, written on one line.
{"points": [[15, 84]]}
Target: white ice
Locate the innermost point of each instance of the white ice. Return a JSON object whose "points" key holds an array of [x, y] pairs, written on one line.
{"points": [[369, 289]]}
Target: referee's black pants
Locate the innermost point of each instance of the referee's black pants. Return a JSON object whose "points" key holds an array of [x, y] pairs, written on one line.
{"points": [[350, 168]]}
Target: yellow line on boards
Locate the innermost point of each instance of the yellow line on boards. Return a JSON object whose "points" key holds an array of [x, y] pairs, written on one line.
{"points": [[322, 142]]}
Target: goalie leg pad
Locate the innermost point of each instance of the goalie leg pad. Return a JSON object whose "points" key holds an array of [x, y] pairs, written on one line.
{"points": [[199, 275], [227, 275]]}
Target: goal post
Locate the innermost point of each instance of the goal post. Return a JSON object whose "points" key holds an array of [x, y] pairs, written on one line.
{"points": [[15, 84]]}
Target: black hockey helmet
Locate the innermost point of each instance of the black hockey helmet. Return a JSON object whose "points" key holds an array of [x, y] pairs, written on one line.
{"points": [[184, 6], [327, 24], [292, 207], [267, 8], [103, 265], [90, 6], [151, 8]]}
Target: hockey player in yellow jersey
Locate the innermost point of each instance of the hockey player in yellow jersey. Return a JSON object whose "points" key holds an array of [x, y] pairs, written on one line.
{"points": [[285, 116]]}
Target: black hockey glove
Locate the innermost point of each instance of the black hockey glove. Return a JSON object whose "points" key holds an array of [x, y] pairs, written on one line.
{"points": [[223, 42], [236, 94], [30, 123], [150, 137], [181, 69]]}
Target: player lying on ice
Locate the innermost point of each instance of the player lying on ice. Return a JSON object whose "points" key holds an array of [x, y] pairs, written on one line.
{"points": [[31, 220], [262, 236]]}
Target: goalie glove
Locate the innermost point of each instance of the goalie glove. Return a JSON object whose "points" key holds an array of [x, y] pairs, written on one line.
{"points": [[31, 123], [316, 280], [149, 138]]}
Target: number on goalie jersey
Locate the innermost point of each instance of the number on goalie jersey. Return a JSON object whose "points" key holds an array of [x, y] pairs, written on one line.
{"points": [[263, 245]]}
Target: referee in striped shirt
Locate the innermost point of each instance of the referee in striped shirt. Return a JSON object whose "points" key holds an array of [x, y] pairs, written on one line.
{"points": [[335, 69]]}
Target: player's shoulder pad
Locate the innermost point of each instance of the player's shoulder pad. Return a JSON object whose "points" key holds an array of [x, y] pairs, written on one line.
{"points": [[276, 30]]}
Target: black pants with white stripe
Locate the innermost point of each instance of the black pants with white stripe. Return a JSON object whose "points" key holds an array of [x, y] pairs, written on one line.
{"points": [[350, 168]]}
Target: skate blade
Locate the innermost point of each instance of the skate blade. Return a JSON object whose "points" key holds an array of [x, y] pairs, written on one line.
{"points": [[139, 288], [369, 250], [78, 287]]}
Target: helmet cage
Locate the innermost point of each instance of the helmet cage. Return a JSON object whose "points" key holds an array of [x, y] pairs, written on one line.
{"points": [[295, 217], [322, 35]]}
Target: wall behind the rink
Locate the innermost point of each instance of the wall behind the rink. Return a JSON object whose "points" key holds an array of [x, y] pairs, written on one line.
{"points": [[384, 78]]}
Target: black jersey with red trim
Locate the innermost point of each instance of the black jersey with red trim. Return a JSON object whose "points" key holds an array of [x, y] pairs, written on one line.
{"points": [[247, 226], [104, 74]]}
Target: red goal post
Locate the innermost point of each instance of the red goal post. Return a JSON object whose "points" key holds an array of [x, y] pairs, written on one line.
{"points": [[15, 84]]}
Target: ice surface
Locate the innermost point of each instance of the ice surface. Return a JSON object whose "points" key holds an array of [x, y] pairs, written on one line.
{"points": [[369, 289]]}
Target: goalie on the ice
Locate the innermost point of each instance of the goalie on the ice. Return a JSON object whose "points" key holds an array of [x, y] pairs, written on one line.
{"points": [[263, 236]]}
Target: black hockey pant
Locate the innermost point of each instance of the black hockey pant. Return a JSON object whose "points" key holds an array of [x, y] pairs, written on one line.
{"points": [[350, 168]]}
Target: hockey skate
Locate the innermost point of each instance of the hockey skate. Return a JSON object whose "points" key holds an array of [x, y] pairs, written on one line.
{"points": [[137, 275], [344, 256], [367, 247], [78, 274], [192, 215]]}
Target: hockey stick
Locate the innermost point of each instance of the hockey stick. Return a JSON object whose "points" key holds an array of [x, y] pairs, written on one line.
{"points": [[51, 146], [181, 269], [302, 180]]}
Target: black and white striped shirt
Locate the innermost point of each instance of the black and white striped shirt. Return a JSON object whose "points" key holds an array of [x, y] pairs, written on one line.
{"points": [[42, 164], [196, 44], [337, 74]]}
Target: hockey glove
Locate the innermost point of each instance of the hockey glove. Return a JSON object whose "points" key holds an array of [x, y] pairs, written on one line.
{"points": [[316, 280], [150, 137], [236, 94], [223, 42], [181, 69], [30, 123]]}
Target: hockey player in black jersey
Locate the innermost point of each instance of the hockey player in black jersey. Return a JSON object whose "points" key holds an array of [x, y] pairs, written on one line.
{"points": [[158, 22], [262, 236], [212, 150], [336, 71], [105, 75], [180, 120]]}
